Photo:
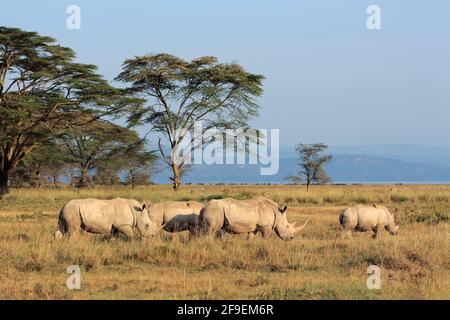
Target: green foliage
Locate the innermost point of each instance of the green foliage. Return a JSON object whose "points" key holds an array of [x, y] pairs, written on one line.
{"points": [[43, 92], [180, 93], [99, 145], [106, 175], [139, 167], [312, 162]]}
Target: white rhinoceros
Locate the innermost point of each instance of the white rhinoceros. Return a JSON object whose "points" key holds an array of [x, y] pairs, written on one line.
{"points": [[246, 217], [363, 218], [105, 216], [175, 216]]}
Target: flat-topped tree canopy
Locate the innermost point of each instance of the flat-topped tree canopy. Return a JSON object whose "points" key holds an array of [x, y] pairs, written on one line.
{"points": [[179, 93], [100, 144], [43, 91]]}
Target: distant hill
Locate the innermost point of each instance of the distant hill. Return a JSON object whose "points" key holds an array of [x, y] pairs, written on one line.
{"points": [[430, 155], [360, 164], [353, 168]]}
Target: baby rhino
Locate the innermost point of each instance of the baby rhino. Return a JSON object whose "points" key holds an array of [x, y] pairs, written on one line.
{"points": [[367, 218]]}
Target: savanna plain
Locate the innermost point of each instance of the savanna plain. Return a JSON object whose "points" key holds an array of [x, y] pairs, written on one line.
{"points": [[317, 264]]}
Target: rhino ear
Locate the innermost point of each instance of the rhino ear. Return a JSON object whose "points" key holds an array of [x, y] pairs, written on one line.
{"points": [[283, 209]]}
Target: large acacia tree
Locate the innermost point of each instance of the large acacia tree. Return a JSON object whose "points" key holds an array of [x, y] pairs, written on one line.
{"points": [[178, 93], [42, 93]]}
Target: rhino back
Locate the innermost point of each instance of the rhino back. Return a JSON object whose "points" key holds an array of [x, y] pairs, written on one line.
{"points": [[243, 213], [195, 206], [96, 215], [163, 212], [124, 212], [101, 215], [369, 217], [244, 216], [173, 209]]}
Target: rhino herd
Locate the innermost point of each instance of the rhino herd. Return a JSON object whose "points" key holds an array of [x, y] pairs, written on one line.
{"points": [[216, 217]]}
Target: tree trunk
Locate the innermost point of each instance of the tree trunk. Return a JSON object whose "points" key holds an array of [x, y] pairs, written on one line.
{"points": [[4, 178], [56, 182], [85, 179], [176, 179], [132, 178], [36, 182], [307, 186]]}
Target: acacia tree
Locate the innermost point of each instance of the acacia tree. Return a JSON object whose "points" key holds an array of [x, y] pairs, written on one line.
{"points": [[139, 167], [48, 162], [180, 93], [42, 93], [97, 144], [106, 174], [312, 162], [133, 160]]}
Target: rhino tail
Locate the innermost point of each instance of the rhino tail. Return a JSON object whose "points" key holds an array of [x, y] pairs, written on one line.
{"points": [[345, 216], [62, 227], [341, 218], [199, 227]]}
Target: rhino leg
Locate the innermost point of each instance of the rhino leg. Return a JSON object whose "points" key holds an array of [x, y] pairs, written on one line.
{"points": [[126, 231], [195, 230], [194, 235], [73, 230], [72, 224], [375, 232], [251, 235], [346, 234], [266, 232], [213, 225], [73, 233], [219, 234]]}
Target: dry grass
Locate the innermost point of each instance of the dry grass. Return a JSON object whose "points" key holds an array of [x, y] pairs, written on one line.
{"points": [[317, 265]]}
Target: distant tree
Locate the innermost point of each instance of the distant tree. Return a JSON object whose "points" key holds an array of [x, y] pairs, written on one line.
{"points": [[32, 172], [106, 174], [48, 162], [137, 177], [140, 167], [19, 177], [180, 92], [43, 92], [312, 162], [97, 145]]}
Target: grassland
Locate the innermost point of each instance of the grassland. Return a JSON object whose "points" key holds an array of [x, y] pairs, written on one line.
{"points": [[316, 265]]}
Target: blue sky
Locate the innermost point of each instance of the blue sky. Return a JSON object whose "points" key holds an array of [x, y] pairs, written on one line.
{"points": [[329, 78]]}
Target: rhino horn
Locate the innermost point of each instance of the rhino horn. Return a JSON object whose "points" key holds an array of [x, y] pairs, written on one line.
{"points": [[302, 227]]}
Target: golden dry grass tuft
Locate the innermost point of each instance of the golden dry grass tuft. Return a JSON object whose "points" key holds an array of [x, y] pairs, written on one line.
{"points": [[316, 265]]}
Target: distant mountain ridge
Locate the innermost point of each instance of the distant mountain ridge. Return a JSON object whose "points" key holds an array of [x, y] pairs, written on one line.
{"points": [[430, 155], [358, 164]]}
